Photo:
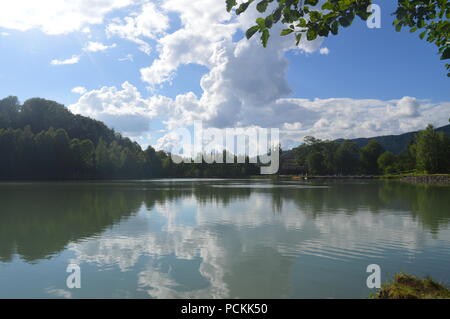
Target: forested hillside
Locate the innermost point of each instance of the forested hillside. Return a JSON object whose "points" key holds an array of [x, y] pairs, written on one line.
{"points": [[41, 139], [396, 143], [426, 151]]}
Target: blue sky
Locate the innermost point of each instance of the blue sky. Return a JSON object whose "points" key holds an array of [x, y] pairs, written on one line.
{"points": [[148, 67]]}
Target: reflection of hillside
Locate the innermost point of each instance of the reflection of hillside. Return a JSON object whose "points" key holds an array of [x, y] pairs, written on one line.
{"points": [[39, 220], [429, 203], [262, 274], [349, 198], [220, 195], [203, 193]]}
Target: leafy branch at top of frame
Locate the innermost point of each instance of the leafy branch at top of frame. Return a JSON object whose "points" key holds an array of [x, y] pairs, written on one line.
{"points": [[303, 16], [307, 17]]}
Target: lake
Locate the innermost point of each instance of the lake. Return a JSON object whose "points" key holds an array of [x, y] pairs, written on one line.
{"points": [[189, 238]]}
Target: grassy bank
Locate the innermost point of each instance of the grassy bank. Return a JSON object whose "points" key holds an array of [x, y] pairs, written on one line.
{"points": [[406, 286]]}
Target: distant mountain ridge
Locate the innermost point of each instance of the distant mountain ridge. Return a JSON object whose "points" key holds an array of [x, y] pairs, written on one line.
{"points": [[394, 143]]}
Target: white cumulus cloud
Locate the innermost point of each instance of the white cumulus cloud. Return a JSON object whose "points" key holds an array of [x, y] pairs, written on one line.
{"points": [[79, 90], [93, 46], [56, 16], [245, 84], [128, 57], [149, 23], [324, 51], [123, 109], [73, 60], [244, 79]]}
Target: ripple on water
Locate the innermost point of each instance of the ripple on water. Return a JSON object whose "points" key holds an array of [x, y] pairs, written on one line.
{"points": [[268, 186]]}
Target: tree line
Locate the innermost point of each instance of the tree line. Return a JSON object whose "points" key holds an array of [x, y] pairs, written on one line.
{"points": [[429, 152], [42, 139]]}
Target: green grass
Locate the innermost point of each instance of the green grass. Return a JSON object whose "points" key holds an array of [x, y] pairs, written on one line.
{"points": [[406, 286]]}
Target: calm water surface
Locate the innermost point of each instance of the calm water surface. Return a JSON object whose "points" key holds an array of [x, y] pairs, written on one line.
{"points": [[218, 238]]}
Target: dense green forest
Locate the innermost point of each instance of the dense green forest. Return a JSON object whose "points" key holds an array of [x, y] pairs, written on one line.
{"points": [[41, 139], [428, 151]]}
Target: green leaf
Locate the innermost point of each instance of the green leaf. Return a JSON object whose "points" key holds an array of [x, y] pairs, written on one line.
{"points": [[277, 15], [335, 28], [230, 4], [261, 22], [286, 31], [446, 54], [311, 35], [323, 31], [398, 27], [298, 37], [311, 2], [287, 14], [243, 7], [344, 5], [327, 6], [422, 35], [262, 6], [314, 16], [302, 23], [265, 37], [251, 31], [345, 21], [268, 21]]}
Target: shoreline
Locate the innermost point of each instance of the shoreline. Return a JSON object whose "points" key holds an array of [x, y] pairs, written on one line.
{"points": [[436, 179], [427, 179], [417, 179]]}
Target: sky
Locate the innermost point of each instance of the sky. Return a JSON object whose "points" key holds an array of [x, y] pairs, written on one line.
{"points": [[147, 67]]}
